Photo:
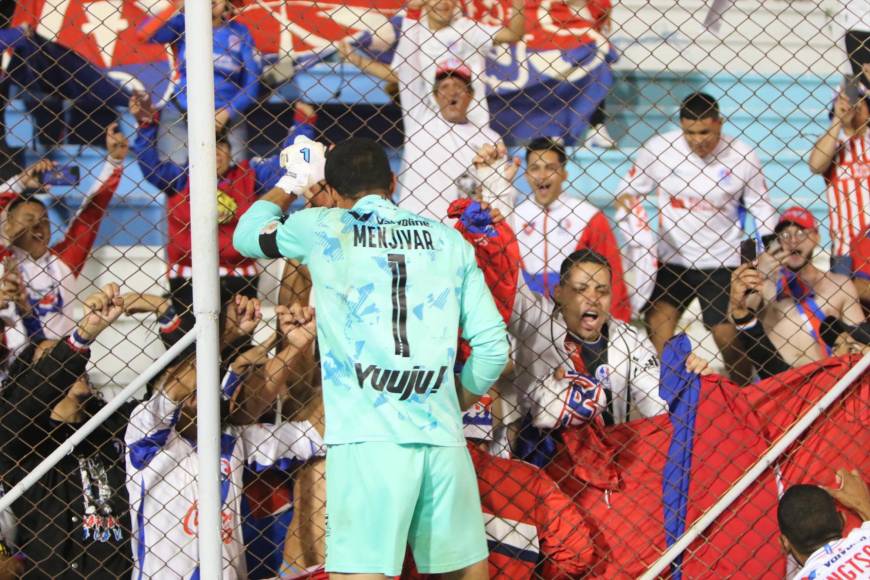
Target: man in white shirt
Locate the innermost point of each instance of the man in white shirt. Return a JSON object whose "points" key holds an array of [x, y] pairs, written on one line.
{"points": [[550, 225], [440, 142], [704, 181], [438, 65], [812, 528]]}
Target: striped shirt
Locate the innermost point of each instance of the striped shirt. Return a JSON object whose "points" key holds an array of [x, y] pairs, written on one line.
{"points": [[848, 190]]}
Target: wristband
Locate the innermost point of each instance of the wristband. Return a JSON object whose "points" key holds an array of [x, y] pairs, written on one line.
{"points": [[169, 321], [745, 322], [79, 343], [230, 385]]}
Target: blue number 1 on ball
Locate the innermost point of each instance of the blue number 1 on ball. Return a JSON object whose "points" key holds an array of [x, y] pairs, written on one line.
{"points": [[306, 154]]}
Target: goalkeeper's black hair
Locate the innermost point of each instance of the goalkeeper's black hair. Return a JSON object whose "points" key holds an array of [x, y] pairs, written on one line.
{"points": [[358, 167]]}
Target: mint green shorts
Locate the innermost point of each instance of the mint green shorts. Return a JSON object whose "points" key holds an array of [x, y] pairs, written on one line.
{"points": [[381, 497]]}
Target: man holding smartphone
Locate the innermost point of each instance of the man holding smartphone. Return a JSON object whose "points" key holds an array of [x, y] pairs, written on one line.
{"points": [[779, 302], [44, 276], [842, 157]]}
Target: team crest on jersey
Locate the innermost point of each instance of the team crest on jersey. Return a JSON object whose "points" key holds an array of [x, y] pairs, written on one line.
{"points": [[585, 400], [529, 228], [724, 176]]}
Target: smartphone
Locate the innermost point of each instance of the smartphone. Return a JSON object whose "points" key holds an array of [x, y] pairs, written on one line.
{"points": [[68, 175], [852, 89], [749, 248]]}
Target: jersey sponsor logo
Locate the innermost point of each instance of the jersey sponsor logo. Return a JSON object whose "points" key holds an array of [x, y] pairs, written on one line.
{"points": [[854, 567], [693, 203], [190, 523], [400, 382], [392, 238]]}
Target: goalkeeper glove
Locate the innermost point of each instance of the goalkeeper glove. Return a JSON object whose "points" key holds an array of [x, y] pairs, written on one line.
{"points": [[303, 162]]}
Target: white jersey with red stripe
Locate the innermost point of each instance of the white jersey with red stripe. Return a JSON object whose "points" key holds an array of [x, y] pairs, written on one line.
{"points": [[845, 558], [162, 473], [548, 235], [848, 189], [700, 199]]}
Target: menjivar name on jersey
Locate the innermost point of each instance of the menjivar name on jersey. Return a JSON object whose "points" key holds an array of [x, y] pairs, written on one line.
{"points": [[403, 234]]}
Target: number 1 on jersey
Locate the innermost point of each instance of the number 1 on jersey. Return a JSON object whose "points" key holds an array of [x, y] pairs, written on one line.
{"points": [[306, 154], [400, 304]]}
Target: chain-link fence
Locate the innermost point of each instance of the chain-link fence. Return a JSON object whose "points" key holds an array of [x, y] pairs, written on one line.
{"points": [[668, 203]]}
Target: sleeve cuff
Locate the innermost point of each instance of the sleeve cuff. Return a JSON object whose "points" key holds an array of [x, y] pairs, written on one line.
{"points": [[231, 383], [169, 322], [78, 343]]}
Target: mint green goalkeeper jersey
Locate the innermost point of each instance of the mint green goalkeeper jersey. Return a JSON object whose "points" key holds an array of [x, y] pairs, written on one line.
{"points": [[391, 291]]}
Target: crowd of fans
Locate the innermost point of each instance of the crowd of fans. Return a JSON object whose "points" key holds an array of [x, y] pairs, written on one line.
{"points": [[124, 502]]}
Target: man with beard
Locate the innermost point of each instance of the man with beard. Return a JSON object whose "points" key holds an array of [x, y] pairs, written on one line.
{"points": [[782, 300]]}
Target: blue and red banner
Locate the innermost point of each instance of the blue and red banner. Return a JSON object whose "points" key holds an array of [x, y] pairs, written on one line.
{"points": [[550, 83]]}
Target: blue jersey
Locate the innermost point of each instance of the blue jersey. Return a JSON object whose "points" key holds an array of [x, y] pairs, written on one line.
{"points": [[392, 290], [237, 65]]}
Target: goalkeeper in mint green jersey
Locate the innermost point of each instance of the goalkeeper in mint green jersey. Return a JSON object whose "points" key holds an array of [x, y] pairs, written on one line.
{"points": [[392, 292]]}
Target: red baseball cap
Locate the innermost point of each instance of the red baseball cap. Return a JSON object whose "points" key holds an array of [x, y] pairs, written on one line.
{"points": [[453, 68], [799, 216]]}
